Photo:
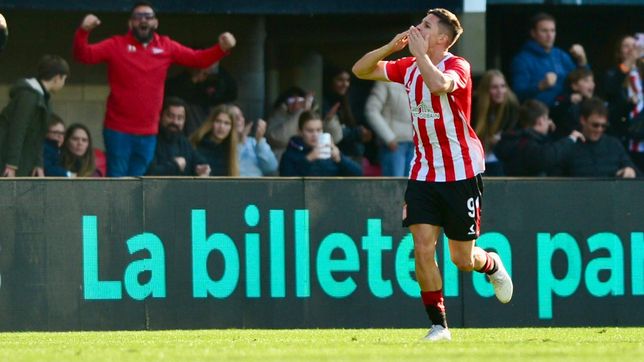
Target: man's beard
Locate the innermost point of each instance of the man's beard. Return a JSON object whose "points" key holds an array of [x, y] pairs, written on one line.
{"points": [[170, 133], [143, 39]]}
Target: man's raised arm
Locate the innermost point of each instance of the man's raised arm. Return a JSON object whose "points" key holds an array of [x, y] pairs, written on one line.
{"points": [[371, 66]]}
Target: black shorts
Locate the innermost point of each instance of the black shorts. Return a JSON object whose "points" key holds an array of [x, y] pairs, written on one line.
{"points": [[456, 206]]}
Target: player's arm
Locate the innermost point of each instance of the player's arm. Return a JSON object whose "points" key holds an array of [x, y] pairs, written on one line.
{"points": [[371, 66], [436, 81]]}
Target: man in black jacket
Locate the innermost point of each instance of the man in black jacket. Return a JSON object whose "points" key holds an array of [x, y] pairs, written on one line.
{"points": [[529, 151], [600, 155], [174, 155]]}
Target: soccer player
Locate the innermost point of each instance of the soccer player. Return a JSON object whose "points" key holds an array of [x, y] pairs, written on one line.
{"points": [[445, 185]]}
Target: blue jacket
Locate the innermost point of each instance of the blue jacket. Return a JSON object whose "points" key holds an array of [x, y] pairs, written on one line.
{"points": [[294, 163], [51, 158], [530, 66]]}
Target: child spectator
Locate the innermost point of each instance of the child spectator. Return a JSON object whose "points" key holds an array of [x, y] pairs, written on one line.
{"points": [[306, 157]]}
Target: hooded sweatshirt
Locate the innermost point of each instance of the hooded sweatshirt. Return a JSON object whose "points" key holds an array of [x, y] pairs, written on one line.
{"points": [[530, 66]]}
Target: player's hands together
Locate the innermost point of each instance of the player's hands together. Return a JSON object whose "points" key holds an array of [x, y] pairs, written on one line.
{"points": [[399, 42], [577, 51], [90, 22], [227, 41], [418, 45]]}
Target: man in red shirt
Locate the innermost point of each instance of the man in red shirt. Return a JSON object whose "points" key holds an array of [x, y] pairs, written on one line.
{"points": [[137, 68], [445, 185]]}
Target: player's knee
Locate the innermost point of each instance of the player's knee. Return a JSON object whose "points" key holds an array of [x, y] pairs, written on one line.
{"points": [[424, 251], [463, 263]]}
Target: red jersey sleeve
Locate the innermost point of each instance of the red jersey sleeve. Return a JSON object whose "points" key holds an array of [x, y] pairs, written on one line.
{"points": [[91, 53], [196, 58], [459, 70], [395, 69]]}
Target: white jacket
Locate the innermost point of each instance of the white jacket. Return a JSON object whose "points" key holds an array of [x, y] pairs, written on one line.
{"points": [[387, 111]]}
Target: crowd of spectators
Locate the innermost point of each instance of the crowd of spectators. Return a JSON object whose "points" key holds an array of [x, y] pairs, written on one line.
{"points": [[548, 121]]}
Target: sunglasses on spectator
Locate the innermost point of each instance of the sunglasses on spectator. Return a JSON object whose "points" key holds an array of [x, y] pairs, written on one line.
{"points": [[58, 133], [143, 16], [599, 125]]}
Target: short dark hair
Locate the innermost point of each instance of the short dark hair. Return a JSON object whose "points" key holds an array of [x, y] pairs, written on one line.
{"points": [[305, 117], [174, 102], [530, 111], [143, 3], [51, 66], [592, 106], [54, 119], [578, 74], [447, 19], [539, 17]]}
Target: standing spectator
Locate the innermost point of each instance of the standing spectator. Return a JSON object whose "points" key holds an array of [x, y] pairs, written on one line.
{"points": [[77, 155], [540, 68], [387, 111], [623, 87], [4, 32], [216, 141], [565, 111], [23, 122], [282, 124], [255, 155], [529, 151], [201, 89], [174, 155], [306, 157], [53, 146], [336, 105], [496, 110], [137, 67], [600, 155]]}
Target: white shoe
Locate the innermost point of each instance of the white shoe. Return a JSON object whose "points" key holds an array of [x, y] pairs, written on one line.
{"points": [[438, 333], [501, 281]]}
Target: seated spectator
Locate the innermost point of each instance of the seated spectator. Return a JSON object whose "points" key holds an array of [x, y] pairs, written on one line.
{"points": [[565, 112], [255, 155], [77, 155], [540, 68], [217, 142], [201, 89], [23, 122], [496, 110], [53, 147], [529, 151], [624, 91], [174, 155], [306, 157], [336, 109], [387, 111], [600, 155]]}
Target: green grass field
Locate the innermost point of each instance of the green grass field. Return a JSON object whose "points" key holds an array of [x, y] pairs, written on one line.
{"points": [[518, 344]]}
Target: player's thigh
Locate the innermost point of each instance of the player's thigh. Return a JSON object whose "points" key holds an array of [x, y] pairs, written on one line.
{"points": [[462, 219]]}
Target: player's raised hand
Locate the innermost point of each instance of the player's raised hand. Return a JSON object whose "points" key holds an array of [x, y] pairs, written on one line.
{"points": [[418, 45], [90, 22], [227, 41], [399, 42]]}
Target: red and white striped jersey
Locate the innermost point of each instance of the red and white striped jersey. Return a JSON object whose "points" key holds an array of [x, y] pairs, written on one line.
{"points": [[446, 147]]}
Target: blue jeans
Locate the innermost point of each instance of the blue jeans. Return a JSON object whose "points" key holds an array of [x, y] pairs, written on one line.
{"points": [[127, 154], [397, 163]]}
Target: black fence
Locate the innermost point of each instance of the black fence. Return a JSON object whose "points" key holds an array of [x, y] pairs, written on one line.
{"points": [[293, 253]]}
